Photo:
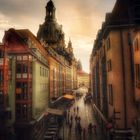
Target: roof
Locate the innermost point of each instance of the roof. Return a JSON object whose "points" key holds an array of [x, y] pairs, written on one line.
{"points": [[25, 33], [120, 10], [80, 72], [125, 12]]}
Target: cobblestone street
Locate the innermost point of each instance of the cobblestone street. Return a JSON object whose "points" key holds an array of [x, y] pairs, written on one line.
{"points": [[86, 114]]}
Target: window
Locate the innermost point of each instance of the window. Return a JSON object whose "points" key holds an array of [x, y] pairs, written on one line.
{"points": [[21, 90], [110, 94], [109, 65], [108, 44], [25, 57], [25, 67], [1, 78], [1, 54], [1, 75], [1, 98], [137, 75], [50, 13], [40, 71], [19, 68], [22, 68], [30, 68], [136, 45], [19, 58]]}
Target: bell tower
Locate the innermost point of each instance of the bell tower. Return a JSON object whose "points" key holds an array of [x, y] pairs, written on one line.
{"points": [[50, 11]]}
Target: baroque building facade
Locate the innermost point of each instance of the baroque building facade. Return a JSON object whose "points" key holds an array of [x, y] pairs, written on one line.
{"points": [[115, 68], [61, 58]]}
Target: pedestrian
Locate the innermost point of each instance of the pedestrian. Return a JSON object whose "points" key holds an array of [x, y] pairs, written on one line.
{"points": [[65, 114], [68, 114], [84, 133], [77, 109], [71, 118], [74, 110], [79, 129], [76, 128], [90, 128], [95, 129], [70, 126], [78, 119], [69, 110]]}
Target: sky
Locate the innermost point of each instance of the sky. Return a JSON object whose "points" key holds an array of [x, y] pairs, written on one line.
{"points": [[81, 20]]}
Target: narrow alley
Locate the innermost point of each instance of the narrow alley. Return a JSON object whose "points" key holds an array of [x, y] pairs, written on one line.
{"points": [[86, 115]]}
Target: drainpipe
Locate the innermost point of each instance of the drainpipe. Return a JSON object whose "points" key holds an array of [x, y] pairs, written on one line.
{"points": [[124, 87]]}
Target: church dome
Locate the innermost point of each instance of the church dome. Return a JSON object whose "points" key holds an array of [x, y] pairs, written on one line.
{"points": [[50, 31]]}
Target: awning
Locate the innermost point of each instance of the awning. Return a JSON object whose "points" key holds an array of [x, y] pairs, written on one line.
{"points": [[55, 111], [68, 96]]}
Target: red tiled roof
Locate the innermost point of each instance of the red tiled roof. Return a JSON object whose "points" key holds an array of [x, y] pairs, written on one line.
{"points": [[80, 72]]}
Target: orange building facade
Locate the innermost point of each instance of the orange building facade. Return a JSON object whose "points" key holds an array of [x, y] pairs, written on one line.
{"points": [[114, 66]]}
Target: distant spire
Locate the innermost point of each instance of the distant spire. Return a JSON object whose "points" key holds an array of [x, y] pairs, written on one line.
{"points": [[69, 43]]}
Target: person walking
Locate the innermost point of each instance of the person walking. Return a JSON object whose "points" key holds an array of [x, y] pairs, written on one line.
{"points": [[74, 110], [77, 109], [79, 129], [70, 126], [84, 134], [95, 129], [78, 119], [90, 128], [68, 115], [71, 118]]}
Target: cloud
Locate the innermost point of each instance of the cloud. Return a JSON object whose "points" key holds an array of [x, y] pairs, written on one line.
{"points": [[16, 8], [81, 20]]}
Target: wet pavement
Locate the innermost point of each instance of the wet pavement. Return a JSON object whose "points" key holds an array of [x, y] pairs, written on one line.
{"points": [[86, 114]]}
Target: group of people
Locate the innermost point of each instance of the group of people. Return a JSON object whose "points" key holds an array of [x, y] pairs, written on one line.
{"points": [[74, 120]]}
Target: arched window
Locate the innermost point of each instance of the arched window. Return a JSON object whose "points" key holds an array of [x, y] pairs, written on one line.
{"points": [[50, 13]]}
